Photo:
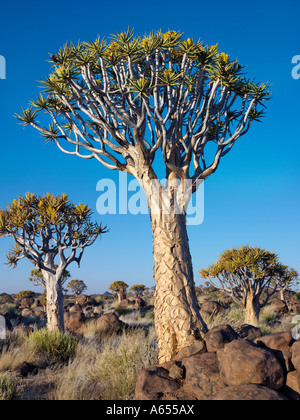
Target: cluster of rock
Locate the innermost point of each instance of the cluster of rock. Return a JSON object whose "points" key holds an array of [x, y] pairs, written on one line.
{"points": [[229, 365], [86, 308], [290, 306], [138, 302]]}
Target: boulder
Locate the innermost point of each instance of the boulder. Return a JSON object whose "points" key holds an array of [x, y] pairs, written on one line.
{"points": [[75, 308], [83, 300], [176, 372], [249, 392], [292, 388], [248, 331], [218, 336], [296, 355], [242, 362], [26, 302], [280, 307], [202, 376], [198, 347], [153, 383], [40, 312], [139, 302], [110, 323], [293, 304], [125, 303], [98, 310], [211, 308], [74, 321], [27, 312], [280, 344]]}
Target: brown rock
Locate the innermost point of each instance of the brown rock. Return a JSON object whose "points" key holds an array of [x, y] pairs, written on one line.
{"points": [[74, 321], [248, 331], [296, 355], [75, 308], [139, 302], [292, 388], [110, 323], [211, 307], [26, 302], [198, 347], [249, 392], [202, 377], [280, 307], [39, 312], [294, 305], [27, 312], [280, 344], [176, 372], [218, 336], [125, 303], [279, 341], [83, 300], [153, 383], [243, 362]]}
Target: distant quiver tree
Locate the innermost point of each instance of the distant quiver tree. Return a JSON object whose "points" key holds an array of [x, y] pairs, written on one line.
{"points": [[45, 229]]}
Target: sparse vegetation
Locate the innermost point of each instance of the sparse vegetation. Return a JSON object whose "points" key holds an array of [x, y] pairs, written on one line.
{"points": [[8, 388], [94, 364], [58, 347]]}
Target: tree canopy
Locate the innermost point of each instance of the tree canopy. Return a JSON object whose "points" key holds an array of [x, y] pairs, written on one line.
{"points": [[48, 226], [246, 271], [108, 98]]}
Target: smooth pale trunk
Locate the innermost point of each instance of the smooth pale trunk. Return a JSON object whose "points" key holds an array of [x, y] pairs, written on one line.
{"points": [[252, 311], [178, 322], [55, 306]]}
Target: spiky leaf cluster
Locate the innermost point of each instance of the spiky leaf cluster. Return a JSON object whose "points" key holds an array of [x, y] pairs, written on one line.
{"points": [[155, 92], [246, 271], [46, 226]]}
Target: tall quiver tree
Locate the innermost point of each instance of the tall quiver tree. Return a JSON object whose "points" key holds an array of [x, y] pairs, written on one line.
{"points": [[126, 100], [48, 229]]}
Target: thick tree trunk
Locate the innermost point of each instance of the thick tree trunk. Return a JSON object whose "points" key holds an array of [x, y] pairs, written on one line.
{"points": [[55, 305], [178, 322], [252, 311]]}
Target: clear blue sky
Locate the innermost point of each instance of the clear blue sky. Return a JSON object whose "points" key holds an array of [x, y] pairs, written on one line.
{"points": [[254, 196]]}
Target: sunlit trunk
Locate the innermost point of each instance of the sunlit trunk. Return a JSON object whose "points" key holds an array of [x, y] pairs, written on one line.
{"points": [[55, 306], [178, 322]]}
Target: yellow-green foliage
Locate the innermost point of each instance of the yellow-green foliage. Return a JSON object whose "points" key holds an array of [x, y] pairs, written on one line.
{"points": [[58, 347], [8, 388]]}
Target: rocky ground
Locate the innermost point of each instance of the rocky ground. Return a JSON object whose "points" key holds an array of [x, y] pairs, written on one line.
{"points": [[237, 361]]}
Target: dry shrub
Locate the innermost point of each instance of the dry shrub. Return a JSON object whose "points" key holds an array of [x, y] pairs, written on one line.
{"points": [[107, 369]]}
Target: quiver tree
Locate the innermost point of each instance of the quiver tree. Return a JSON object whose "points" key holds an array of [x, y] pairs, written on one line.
{"points": [[249, 275], [289, 279], [77, 287], [120, 288], [125, 101], [46, 229], [138, 289]]}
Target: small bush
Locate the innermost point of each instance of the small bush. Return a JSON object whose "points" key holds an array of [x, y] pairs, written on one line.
{"points": [[59, 347], [122, 311], [8, 388]]}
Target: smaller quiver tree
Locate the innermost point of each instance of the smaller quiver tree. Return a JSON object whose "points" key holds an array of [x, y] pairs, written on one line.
{"points": [[138, 289], [77, 286], [46, 229], [250, 275], [120, 288], [289, 279]]}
